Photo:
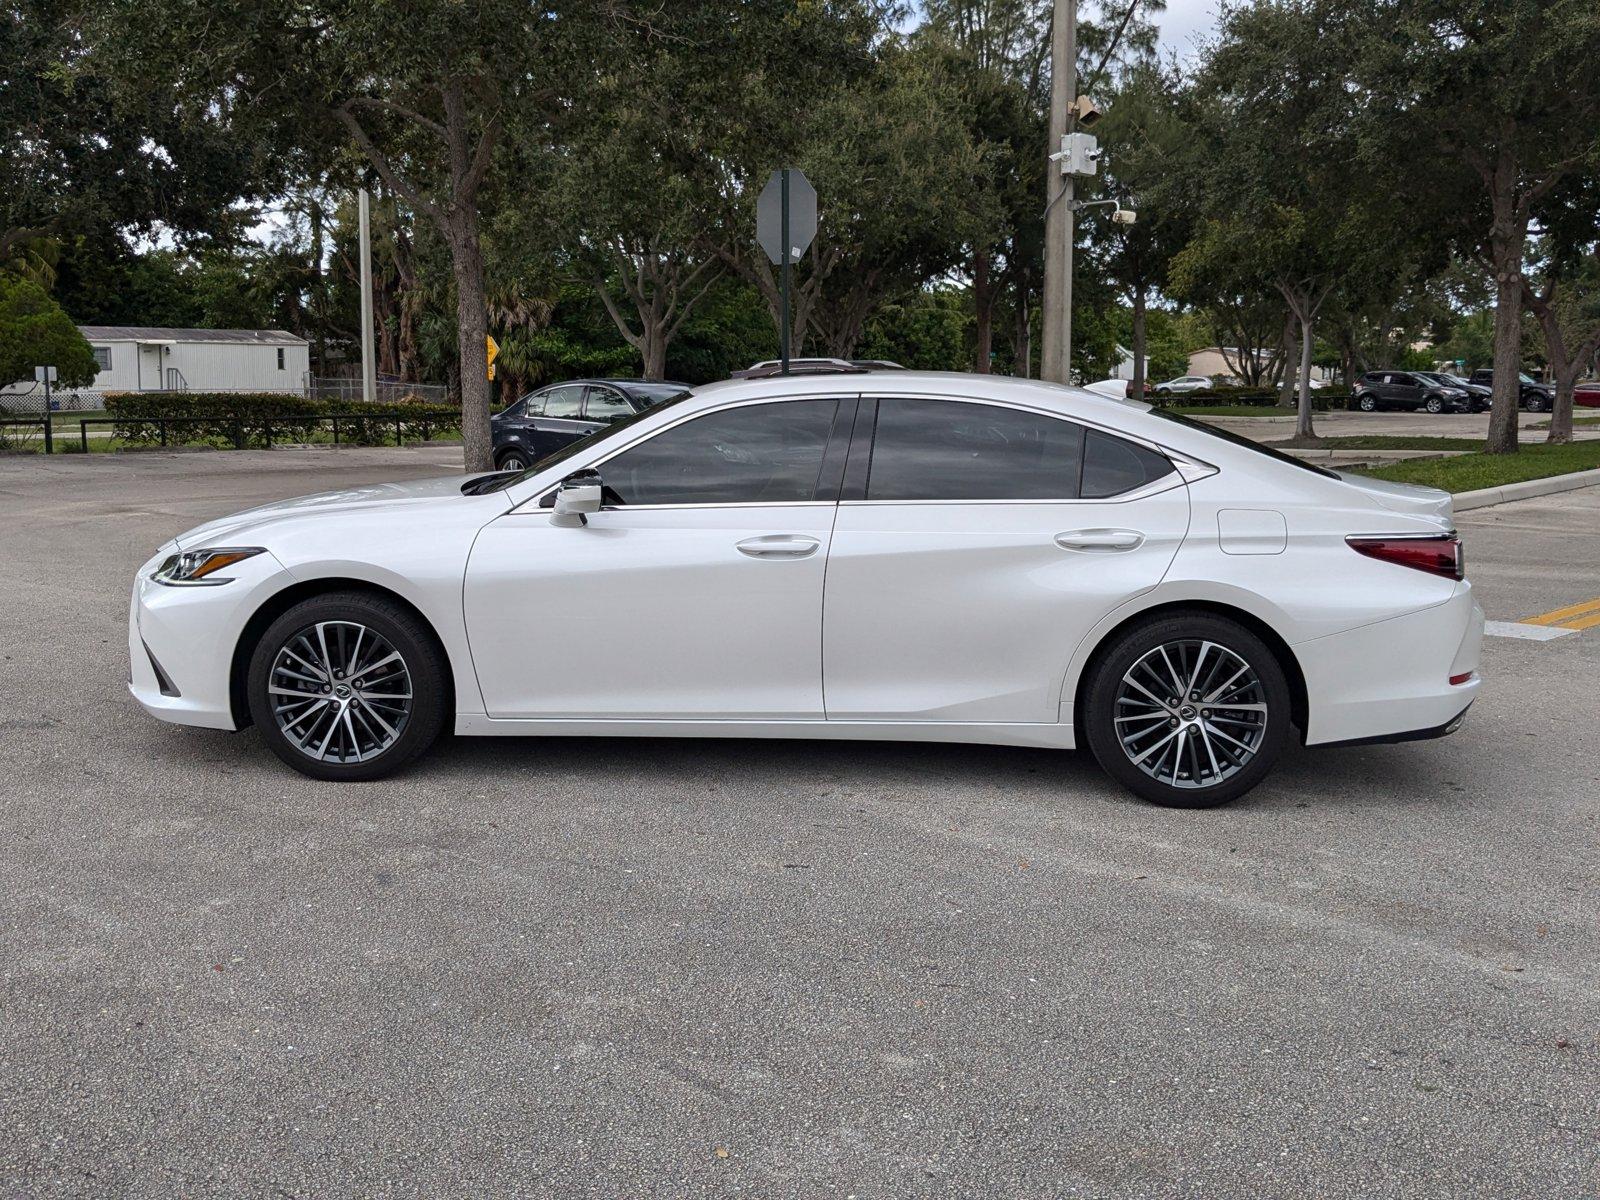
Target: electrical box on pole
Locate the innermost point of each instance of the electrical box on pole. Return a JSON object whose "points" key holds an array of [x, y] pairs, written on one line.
{"points": [[1080, 154]]}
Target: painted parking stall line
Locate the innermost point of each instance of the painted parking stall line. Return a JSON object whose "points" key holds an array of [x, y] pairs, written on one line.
{"points": [[1583, 615], [1529, 633]]}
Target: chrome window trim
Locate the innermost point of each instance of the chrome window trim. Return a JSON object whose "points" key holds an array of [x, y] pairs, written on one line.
{"points": [[1189, 469]]}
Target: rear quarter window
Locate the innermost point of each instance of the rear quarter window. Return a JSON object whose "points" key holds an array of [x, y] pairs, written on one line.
{"points": [[1112, 466]]}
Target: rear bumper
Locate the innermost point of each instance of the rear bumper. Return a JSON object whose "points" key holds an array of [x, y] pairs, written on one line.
{"points": [[1390, 681]]}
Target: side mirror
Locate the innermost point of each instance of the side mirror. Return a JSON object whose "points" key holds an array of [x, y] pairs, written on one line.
{"points": [[579, 493]]}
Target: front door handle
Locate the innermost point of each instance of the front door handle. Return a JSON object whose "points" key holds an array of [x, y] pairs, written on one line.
{"points": [[778, 545], [1100, 539]]}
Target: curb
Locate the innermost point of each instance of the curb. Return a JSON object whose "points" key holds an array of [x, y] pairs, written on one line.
{"points": [[1527, 490]]}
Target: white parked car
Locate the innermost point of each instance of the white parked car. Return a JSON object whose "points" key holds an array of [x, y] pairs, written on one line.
{"points": [[899, 556], [1182, 384]]}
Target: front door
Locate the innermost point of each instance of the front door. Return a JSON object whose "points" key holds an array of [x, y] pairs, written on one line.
{"points": [[976, 551], [695, 593]]}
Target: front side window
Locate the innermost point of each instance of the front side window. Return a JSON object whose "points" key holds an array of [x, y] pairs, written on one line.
{"points": [[758, 454], [950, 450], [564, 401]]}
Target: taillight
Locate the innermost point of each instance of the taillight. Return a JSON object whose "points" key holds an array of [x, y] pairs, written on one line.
{"points": [[1440, 555]]}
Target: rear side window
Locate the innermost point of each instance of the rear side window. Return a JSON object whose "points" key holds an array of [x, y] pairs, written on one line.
{"points": [[1112, 466], [950, 450], [565, 401]]}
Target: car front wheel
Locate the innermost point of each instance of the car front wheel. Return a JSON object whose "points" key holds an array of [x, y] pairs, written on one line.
{"points": [[347, 686], [1434, 404], [1366, 404], [1187, 711], [1536, 404]]}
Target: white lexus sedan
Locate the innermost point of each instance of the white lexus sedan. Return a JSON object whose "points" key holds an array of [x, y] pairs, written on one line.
{"points": [[906, 556]]}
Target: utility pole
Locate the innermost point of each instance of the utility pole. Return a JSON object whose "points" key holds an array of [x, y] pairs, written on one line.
{"points": [[1056, 312], [369, 373]]}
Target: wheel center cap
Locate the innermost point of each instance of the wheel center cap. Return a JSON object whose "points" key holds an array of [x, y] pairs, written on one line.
{"points": [[1187, 712], [342, 691]]}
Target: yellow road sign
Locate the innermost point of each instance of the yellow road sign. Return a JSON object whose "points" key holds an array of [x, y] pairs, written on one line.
{"points": [[492, 348]]}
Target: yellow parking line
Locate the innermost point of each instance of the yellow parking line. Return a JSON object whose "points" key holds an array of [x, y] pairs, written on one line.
{"points": [[1588, 622], [1561, 615]]}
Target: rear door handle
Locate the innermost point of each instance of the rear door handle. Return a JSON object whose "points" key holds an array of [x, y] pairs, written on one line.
{"points": [[1100, 539], [778, 545]]}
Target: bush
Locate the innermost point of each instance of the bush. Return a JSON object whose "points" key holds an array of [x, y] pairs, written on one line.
{"points": [[245, 418], [1322, 399]]}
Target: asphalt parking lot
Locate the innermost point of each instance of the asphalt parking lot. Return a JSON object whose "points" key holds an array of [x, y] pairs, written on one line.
{"points": [[581, 967]]}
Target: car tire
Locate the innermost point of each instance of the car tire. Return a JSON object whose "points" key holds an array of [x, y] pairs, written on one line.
{"points": [[1366, 404], [1536, 404], [320, 649], [1117, 702], [1434, 405], [514, 459]]}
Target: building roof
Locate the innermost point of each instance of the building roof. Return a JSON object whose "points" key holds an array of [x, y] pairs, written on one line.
{"points": [[148, 333]]}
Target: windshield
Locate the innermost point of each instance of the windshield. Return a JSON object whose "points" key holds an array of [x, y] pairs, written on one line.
{"points": [[503, 480], [1526, 378], [1239, 440]]}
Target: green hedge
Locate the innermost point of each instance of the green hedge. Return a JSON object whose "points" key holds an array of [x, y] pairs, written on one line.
{"points": [[244, 418], [1259, 397]]}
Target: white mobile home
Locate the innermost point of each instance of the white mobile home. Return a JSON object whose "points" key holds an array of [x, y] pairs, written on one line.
{"points": [[138, 359]]}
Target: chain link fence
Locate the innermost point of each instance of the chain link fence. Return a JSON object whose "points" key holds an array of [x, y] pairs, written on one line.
{"points": [[388, 391]]}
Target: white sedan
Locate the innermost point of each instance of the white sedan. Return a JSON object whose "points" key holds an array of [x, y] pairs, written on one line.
{"points": [[905, 556]]}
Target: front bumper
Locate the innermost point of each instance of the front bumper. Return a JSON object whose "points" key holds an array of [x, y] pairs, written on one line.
{"points": [[181, 640], [1391, 680]]}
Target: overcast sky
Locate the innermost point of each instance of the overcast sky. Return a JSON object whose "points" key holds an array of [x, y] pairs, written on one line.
{"points": [[1184, 22]]}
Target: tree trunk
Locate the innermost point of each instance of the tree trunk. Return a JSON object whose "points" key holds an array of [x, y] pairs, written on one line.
{"points": [[1022, 340], [654, 350], [1302, 427], [472, 328], [1285, 353], [983, 303], [1508, 236], [1136, 384]]}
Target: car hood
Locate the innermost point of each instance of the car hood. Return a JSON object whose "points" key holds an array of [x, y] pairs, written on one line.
{"points": [[1406, 498], [401, 498]]}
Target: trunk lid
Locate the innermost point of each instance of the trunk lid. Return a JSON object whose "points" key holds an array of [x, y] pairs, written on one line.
{"points": [[1407, 498]]}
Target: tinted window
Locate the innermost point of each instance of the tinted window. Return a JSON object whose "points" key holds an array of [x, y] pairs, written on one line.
{"points": [[564, 401], [607, 404], [1112, 466], [516, 410], [650, 394], [763, 453], [947, 450]]}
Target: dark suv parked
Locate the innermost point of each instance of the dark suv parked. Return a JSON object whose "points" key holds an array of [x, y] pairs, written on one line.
{"points": [[1477, 396], [1406, 389], [1536, 396], [544, 421]]}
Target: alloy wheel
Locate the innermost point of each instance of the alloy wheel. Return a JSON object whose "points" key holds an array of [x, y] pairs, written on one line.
{"points": [[340, 692], [1191, 713]]}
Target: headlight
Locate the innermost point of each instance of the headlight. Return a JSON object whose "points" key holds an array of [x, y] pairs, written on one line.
{"points": [[197, 568]]}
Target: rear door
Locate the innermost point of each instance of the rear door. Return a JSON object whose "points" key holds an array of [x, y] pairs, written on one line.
{"points": [[976, 545], [561, 422]]}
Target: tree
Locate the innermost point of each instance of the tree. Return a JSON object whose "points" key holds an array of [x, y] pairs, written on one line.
{"points": [[427, 103], [1281, 201], [1496, 106], [35, 332], [1564, 296], [1145, 142]]}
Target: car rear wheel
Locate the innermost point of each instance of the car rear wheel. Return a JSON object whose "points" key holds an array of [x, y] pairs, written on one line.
{"points": [[514, 459], [347, 686], [1187, 711]]}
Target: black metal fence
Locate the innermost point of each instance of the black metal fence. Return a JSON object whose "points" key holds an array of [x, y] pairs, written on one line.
{"points": [[246, 430]]}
